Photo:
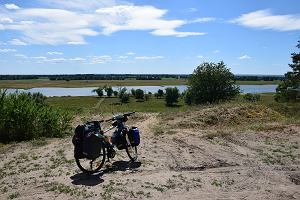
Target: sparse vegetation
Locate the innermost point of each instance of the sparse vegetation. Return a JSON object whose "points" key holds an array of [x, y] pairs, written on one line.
{"points": [[26, 116]]}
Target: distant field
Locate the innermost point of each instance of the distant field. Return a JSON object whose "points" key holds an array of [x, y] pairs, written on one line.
{"points": [[27, 84]]}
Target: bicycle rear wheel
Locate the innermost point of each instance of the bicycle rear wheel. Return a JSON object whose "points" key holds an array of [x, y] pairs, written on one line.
{"points": [[92, 166], [130, 150]]}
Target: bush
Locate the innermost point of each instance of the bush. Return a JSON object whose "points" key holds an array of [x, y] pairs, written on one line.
{"points": [[109, 91], [123, 95], [115, 93], [99, 91], [25, 116], [139, 94], [133, 92], [160, 93], [211, 83], [251, 97], [172, 95], [187, 97]]}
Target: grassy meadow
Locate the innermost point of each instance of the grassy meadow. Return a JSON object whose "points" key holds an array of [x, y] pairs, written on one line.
{"points": [[92, 104]]}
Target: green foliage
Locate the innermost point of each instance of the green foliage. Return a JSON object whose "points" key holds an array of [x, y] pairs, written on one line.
{"points": [[139, 94], [172, 95], [251, 97], [99, 91], [26, 116], [123, 95], [289, 88], [187, 97], [212, 82], [109, 91], [115, 93], [160, 93], [133, 92]]}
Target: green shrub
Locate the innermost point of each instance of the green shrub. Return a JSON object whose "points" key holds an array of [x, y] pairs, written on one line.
{"points": [[109, 91], [251, 97], [25, 116], [212, 82], [172, 95], [123, 95], [99, 91], [139, 94]]}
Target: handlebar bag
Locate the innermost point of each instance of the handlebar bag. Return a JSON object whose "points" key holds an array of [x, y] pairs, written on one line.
{"points": [[134, 136]]}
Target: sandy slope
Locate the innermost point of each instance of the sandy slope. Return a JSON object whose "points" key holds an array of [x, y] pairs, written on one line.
{"points": [[181, 165]]}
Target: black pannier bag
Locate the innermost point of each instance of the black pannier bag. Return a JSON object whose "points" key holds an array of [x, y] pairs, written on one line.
{"points": [[134, 136], [86, 143], [77, 141], [92, 145]]}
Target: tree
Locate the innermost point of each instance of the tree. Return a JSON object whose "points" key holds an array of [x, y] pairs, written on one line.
{"points": [[211, 82], [133, 92], [115, 93], [109, 91], [172, 95], [139, 94], [160, 93], [289, 88], [123, 95], [99, 91]]}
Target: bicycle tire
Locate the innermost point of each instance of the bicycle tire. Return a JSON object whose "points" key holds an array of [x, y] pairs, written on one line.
{"points": [[91, 170], [130, 150]]}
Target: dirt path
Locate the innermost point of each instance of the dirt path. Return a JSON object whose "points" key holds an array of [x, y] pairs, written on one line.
{"points": [[181, 165]]}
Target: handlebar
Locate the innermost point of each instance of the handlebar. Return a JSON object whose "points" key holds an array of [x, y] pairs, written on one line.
{"points": [[118, 117]]}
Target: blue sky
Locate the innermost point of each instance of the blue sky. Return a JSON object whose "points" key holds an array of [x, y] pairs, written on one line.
{"points": [[170, 36]]}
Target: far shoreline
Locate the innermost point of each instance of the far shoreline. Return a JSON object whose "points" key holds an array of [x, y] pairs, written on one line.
{"points": [[41, 83]]}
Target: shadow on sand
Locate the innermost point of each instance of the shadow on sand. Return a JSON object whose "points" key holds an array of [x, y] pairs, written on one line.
{"points": [[96, 178]]}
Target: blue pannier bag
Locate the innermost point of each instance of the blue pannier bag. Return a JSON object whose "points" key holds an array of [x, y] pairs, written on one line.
{"points": [[134, 136]]}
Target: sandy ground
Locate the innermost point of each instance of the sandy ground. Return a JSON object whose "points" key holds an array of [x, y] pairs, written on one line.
{"points": [[183, 164]]}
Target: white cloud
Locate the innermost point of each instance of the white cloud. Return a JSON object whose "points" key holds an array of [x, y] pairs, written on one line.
{"points": [[148, 57], [192, 9], [77, 59], [7, 50], [129, 17], [245, 57], [55, 53], [12, 6], [203, 20], [264, 19], [17, 42], [123, 57], [71, 25], [216, 51], [100, 59], [130, 53], [200, 56], [6, 20]]}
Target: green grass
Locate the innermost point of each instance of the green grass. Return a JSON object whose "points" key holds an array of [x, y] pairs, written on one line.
{"points": [[27, 84], [111, 105]]}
